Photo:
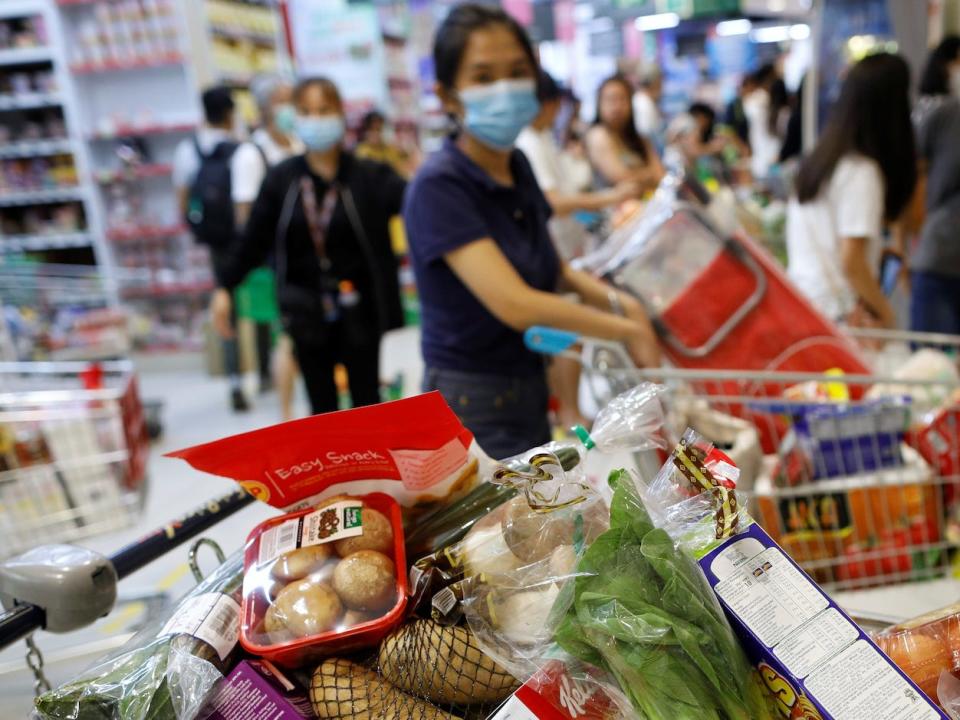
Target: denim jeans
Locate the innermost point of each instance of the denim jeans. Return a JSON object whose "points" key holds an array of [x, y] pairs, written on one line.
{"points": [[934, 303], [507, 415]]}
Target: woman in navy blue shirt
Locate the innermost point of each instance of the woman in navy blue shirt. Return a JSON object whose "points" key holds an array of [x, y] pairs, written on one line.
{"points": [[485, 265]]}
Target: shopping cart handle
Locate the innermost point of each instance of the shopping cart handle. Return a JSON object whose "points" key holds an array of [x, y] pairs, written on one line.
{"points": [[549, 341]]}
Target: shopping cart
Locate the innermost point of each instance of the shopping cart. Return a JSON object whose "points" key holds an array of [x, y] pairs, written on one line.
{"points": [[862, 486], [73, 451], [59, 312]]}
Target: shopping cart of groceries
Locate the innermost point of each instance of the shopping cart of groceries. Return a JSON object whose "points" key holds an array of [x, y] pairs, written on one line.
{"points": [[73, 451]]}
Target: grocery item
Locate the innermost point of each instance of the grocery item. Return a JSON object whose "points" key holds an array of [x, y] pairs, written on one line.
{"points": [[811, 657], [308, 590], [442, 664], [344, 690], [926, 647], [256, 689], [642, 611], [168, 670], [415, 450]]}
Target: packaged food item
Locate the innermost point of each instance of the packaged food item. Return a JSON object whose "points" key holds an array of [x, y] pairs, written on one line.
{"points": [[642, 611], [169, 669], [324, 580], [415, 450], [926, 647], [257, 689], [814, 661]]}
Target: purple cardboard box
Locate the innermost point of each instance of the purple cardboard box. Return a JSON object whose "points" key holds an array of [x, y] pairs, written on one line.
{"points": [[256, 690], [811, 656]]}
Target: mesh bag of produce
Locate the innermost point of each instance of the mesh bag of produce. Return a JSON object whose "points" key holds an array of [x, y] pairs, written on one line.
{"points": [[422, 671]]}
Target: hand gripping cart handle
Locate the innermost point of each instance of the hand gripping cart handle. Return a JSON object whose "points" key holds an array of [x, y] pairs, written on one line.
{"points": [[61, 588]]}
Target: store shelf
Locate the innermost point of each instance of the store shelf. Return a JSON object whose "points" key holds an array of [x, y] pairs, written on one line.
{"points": [[241, 34], [167, 291], [141, 172], [144, 130], [24, 56], [153, 61], [27, 243], [40, 197], [28, 101], [145, 233], [35, 148]]}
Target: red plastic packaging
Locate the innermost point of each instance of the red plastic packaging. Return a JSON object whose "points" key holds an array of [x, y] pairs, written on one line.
{"points": [[303, 650]]}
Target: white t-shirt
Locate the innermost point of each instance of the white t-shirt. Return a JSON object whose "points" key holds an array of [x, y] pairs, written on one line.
{"points": [[646, 116], [275, 153], [764, 145], [246, 164], [546, 159], [850, 204]]}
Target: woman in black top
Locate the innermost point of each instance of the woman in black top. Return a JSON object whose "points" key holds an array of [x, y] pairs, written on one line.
{"points": [[325, 215]]}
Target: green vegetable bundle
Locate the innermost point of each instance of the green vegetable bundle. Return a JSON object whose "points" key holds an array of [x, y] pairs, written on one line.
{"points": [[150, 678], [643, 611]]}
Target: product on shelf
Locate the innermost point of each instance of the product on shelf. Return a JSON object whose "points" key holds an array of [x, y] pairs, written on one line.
{"points": [[23, 32], [127, 31]]}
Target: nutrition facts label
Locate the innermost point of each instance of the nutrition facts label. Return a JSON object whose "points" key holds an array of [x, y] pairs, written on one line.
{"points": [[813, 640], [771, 596], [880, 693]]}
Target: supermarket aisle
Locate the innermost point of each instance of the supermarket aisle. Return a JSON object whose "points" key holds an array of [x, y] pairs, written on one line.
{"points": [[195, 411]]}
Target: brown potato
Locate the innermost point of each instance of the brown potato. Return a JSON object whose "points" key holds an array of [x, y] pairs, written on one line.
{"points": [[352, 618], [304, 608], [377, 535], [299, 563], [366, 581]]}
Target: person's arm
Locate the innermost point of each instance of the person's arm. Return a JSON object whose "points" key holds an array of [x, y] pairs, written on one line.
{"points": [[251, 251], [863, 279], [248, 168], [602, 296], [605, 157], [591, 201], [487, 273]]}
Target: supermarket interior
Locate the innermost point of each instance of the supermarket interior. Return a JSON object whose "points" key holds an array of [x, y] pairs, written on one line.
{"points": [[480, 359]]}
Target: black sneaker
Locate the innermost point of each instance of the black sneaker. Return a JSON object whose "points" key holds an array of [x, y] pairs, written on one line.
{"points": [[238, 401]]}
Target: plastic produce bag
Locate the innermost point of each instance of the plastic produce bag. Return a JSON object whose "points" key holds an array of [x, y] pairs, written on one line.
{"points": [[631, 421], [168, 670], [643, 611]]}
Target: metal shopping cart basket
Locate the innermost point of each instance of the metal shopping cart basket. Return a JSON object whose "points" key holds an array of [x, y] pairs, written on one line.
{"points": [[862, 486], [73, 451]]}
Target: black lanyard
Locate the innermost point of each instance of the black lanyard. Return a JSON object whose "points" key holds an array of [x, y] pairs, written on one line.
{"points": [[318, 217]]}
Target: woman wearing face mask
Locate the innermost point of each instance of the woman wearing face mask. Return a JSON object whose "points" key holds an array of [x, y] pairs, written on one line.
{"points": [[616, 151], [935, 260], [485, 265], [325, 216]]}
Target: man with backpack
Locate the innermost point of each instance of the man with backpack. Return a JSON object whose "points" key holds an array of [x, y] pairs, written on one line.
{"points": [[217, 178]]}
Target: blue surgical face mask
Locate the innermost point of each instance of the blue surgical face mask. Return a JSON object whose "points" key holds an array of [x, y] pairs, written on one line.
{"points": [[319, 132], [285, 118], [495, 114]]}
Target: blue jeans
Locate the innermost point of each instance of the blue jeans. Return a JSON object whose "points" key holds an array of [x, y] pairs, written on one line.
{"points": [[507, 415], [934, 303]]}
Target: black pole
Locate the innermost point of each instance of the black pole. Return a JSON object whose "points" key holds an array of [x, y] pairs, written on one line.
{"points": [[24, 619], [144, 551]]}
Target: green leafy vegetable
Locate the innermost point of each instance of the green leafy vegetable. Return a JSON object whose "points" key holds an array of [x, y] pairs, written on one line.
{"points": [[643, 611]]}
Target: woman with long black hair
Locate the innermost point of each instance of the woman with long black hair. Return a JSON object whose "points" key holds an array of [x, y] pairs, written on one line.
{"points": [[860, 175], [477, 227], [615, 149]]}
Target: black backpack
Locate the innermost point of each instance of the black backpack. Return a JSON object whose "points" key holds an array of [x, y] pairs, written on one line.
{"points": [[210, 212]]}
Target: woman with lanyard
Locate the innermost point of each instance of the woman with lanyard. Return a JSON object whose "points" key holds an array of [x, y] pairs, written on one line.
{"points": [[325, 215], [485, 265]]}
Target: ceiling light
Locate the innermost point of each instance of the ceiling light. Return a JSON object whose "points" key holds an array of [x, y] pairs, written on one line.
{"points": [[661, 21], [799, 32], [771, 34], [583, 12], [733, 27]]}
